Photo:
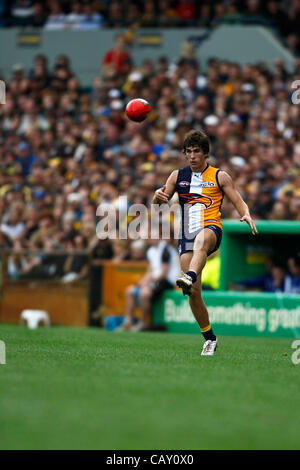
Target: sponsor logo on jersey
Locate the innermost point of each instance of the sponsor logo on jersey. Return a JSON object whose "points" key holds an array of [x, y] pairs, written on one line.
{"points": [[193, 198], [184, 184], [206, 184]]}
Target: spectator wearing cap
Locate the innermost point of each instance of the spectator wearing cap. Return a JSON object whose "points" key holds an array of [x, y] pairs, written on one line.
{"points": [[116, 105], [67, 222], [117, 113], [38, 197], [211, 123], [18, 71], [237, 161], [114, 94], [138, 250], [132, 85], [25, 157], [248, 88]]}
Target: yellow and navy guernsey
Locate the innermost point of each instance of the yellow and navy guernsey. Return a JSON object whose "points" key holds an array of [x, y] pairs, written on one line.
{"points": [[200, 197]]}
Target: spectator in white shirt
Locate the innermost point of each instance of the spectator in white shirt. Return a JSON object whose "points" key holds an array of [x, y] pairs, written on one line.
{"points": [[14, 226], [22, 9], [76, 16], [90, 20], [56, 20]]}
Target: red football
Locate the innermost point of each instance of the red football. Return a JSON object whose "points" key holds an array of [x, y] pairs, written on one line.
{"points": [[138, 109]]}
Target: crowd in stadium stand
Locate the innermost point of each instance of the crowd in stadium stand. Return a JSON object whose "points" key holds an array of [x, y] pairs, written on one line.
{"points": [[64, 151], [282, 16]]}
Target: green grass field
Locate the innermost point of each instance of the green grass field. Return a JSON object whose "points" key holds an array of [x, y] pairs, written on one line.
{"points": [[71, 388]]}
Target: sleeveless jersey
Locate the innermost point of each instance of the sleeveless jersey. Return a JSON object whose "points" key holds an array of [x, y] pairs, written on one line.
{"points": [[200, 197]]}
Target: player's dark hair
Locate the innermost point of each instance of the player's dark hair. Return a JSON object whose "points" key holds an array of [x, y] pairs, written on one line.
{"points": [[197, 139]]}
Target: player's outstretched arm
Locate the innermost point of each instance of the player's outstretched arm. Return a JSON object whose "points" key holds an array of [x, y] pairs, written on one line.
{"points": [[162, 195], [234, 196]]}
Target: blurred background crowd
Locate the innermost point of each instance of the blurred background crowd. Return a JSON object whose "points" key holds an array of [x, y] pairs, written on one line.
{"points": [[66, 150], [283, 16]]}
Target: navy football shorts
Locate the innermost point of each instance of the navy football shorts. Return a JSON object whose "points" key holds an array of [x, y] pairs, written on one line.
{"points": [[185, 245]]}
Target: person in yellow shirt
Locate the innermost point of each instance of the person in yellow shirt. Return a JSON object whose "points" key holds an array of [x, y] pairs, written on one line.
{"points": [[211, 272]]}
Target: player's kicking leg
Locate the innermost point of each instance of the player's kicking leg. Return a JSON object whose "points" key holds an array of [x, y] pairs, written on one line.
{"points": [[192, 263]]}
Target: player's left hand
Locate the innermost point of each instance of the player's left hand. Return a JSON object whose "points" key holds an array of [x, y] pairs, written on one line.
{"points": [[247, 218]]}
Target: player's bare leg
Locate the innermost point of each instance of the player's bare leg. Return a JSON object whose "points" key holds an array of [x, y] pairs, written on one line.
{"points": [[195, 262], [199, 309], [205, 242], [195, 298]]}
